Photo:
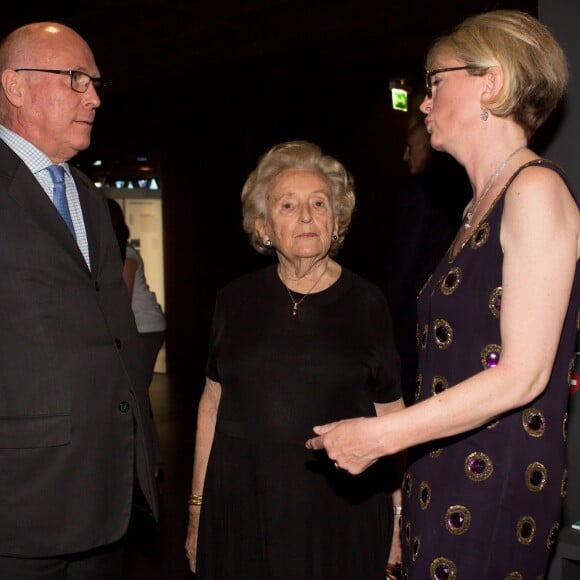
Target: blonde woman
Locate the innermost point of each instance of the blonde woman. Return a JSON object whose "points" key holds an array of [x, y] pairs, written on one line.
{"points": [[496, 322], [300, 339]]}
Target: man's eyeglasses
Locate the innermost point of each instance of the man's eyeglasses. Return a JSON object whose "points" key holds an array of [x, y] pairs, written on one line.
{"points": [[430, 73], [79, 81]]}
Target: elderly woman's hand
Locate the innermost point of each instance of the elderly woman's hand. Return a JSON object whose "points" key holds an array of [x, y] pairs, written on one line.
{"points": [[191, 541]]}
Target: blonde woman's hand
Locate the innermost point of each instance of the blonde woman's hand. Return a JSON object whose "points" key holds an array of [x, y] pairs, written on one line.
{"points": [[350, 443]]}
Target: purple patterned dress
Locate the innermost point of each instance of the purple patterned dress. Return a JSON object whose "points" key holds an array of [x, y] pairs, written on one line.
{"points": [[486, 503]]}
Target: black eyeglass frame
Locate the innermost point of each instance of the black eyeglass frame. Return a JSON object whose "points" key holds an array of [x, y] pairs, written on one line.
{"points": [[98, 83], [430, 73]]}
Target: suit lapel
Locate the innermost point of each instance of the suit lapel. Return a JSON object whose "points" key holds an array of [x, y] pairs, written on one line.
{"points": [[91, 202], [24, 188]]}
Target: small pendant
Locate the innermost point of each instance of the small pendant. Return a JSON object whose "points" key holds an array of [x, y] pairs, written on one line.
{"points": [[295, 309]]}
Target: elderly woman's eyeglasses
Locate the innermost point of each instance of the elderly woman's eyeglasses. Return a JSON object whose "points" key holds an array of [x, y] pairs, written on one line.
{"points": [[79, 81], [430, 73]]}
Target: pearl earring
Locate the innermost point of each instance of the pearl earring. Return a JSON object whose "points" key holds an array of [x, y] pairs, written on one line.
{"points": [[268, 243]]}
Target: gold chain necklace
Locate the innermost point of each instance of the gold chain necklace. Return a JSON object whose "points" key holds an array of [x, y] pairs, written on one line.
{"points": [[473, 206], [296, 303]]}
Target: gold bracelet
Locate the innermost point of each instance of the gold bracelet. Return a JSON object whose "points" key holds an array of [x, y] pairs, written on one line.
{"points": [[194, 499]]}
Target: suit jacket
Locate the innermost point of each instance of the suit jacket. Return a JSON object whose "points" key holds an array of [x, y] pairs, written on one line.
{"points": [[75, 415]]}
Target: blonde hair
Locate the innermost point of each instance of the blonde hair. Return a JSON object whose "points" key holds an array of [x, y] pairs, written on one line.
{"points": [[297, 155], [533, 63]]}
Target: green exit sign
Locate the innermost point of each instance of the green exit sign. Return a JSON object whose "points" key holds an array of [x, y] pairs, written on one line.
{"points": [[400, 99]]}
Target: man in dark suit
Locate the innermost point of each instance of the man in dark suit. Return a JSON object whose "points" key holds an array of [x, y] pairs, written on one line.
{"points": [[75, 437]]}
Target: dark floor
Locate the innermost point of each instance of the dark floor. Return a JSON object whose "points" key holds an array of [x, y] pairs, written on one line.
{"points": [[156, 551]]}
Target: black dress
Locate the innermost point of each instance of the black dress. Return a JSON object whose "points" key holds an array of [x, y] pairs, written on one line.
{"points": [[484, 504], [272, 509]]}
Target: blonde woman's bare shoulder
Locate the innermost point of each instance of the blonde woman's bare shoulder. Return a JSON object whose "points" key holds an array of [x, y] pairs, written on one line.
{"points": [[542, 188], [538, 203]]}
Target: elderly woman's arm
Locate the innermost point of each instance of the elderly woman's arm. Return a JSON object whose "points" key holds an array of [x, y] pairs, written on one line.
{"points": [[206, 421]]}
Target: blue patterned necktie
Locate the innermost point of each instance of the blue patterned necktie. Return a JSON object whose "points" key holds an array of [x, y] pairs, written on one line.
{"points": [[59, 195]]}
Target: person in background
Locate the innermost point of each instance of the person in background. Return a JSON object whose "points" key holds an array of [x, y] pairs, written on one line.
{"points": [[148, 313], [497, 321], [75, 441], [151, 325], [301, 340], [418, 152], [426, 225]]}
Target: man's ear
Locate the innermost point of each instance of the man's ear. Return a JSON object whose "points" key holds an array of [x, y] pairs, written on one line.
{"points": [[13, 86]]}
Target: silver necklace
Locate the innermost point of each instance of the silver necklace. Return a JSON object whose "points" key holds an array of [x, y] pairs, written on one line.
{"points": [[473, 206], [296, 303]]}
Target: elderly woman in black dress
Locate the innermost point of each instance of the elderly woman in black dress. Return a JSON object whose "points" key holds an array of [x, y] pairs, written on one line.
{"points": [[304, 340]]}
